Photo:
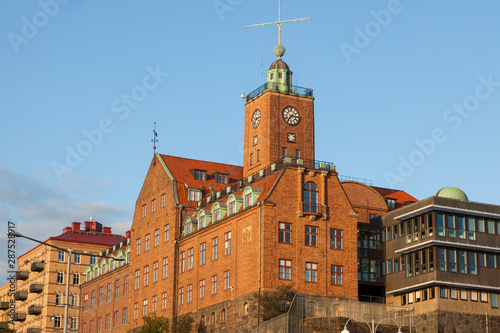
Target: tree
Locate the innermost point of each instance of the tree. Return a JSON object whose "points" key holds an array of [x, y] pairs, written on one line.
{"points": [[183, 325], [274, 303], [153, 324]]}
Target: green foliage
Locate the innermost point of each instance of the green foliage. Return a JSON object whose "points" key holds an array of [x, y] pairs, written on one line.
{"points": [[274, 303], [183, 325], [154, 324]]}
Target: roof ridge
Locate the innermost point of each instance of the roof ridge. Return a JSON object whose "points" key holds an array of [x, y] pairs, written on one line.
{"points": [[198, 160]]}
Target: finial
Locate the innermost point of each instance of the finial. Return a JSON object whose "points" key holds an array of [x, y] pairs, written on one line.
{"points": [[92, 217], [154, 140]]}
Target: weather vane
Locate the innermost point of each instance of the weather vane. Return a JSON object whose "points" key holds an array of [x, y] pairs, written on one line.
{"points": [[154, 140], [279, 50]]}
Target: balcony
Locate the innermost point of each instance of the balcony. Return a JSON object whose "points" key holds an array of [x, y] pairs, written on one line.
{"points": [[279, 87], [35, 309], [20, 295], [36, 288], [19, 316], [22, 275], [4, 305], [37, 266], [33, 330]]}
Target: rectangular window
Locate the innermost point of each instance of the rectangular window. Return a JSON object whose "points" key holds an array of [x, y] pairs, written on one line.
{"points": [[181, 295], [145, 307], [57, 322], [189, 293], [59, 299], [248, 200], [116, 317], [492, 261], [482, 259], [440, 224], [117, 289], [190, 258], [389, 266], [200, 175], [336, 239], [251, 158], [491, 226], [214, 284], [285, 233], [194, 195], [453, 260], [461, 227], [60, 277], [182, 261], [85, 302], [442, 259], [203, 253], [336, 278], [480, 225], [109, 293], [452, 232], [408, 265], [453, 293], [108, 322], [92, 260], [472, 263], [153, 205], [463, 294], [494, 300], [227, 243], [396, 265], [143, 210], [473, 295], [471, 223], [163, 200], [60, 256], [202, 288], [138, 246], [462, 262], [164, 301], [137, 279], [146, 276], [155, 271], [283, 152], [78, 258], [285, 269], [484, 296], [157, 237], [443, 292], [258, 155], [148, 236], [166, 235], [215, 248], [125, 286], [92, 300], [311, 236], [136, 310], [232, 207], [297, 153], [216, 215], [227, 280], [311, 272], [430, 230], [125, 316]]}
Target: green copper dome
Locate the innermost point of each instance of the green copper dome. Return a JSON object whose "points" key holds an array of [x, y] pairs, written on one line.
{"points": [[453, 193]]}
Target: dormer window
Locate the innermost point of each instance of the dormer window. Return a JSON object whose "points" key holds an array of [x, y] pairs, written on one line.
{"points": [[194, 195], [216, 215], [218, 211], [200, 175], [232, 207], [391, 203], [222, 178], [234, 203], [250, 195]]}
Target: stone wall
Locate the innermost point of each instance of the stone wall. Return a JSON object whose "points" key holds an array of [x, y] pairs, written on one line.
{"points": [[454, 322]]}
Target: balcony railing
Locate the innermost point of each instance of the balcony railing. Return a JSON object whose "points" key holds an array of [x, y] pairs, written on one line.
{"points": [[279, 87], [21, 295], [19, 316], [35, 310], [36, 288], [22, 275], [37, 266]]}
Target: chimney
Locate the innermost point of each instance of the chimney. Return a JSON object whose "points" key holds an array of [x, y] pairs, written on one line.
{"points": [[88, 225], [75, 226], [106, 230], [127, 233], [96, 226], [66, 229]]}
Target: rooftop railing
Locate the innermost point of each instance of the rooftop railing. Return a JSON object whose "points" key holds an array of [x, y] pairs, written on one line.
{"points": [[279, 87]]}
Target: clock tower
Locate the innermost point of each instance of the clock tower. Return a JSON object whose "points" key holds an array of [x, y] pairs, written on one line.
{"points": [[279, 119]]}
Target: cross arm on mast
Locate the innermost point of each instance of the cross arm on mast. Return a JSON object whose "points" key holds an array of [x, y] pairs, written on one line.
{"points": [[278, 22]]}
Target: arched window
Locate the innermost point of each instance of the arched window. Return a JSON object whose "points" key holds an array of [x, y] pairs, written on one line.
{"points": [[223, 315], [310, 198], [202, 320], [212, 318], [245, 309]]}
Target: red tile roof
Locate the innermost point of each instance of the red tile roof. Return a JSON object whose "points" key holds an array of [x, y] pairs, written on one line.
{"points": [[89, 238], [402, 198]]}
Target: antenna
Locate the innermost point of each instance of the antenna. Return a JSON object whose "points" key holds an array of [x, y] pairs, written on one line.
{"points": [[92, 217], [154, 140]]}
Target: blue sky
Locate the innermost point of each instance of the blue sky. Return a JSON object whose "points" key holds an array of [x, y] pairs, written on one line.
{"points": [[407, 95]]}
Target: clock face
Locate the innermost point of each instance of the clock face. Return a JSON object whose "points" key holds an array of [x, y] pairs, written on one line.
{"points": [[256, 119], [291, 116]]}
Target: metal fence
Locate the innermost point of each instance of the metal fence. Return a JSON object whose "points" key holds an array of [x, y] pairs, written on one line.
{"points": [[304, 306], [279, 87]]}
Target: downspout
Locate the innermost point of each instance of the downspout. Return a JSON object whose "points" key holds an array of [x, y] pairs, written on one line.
{"points": [[176, 266], [260, 258]]}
